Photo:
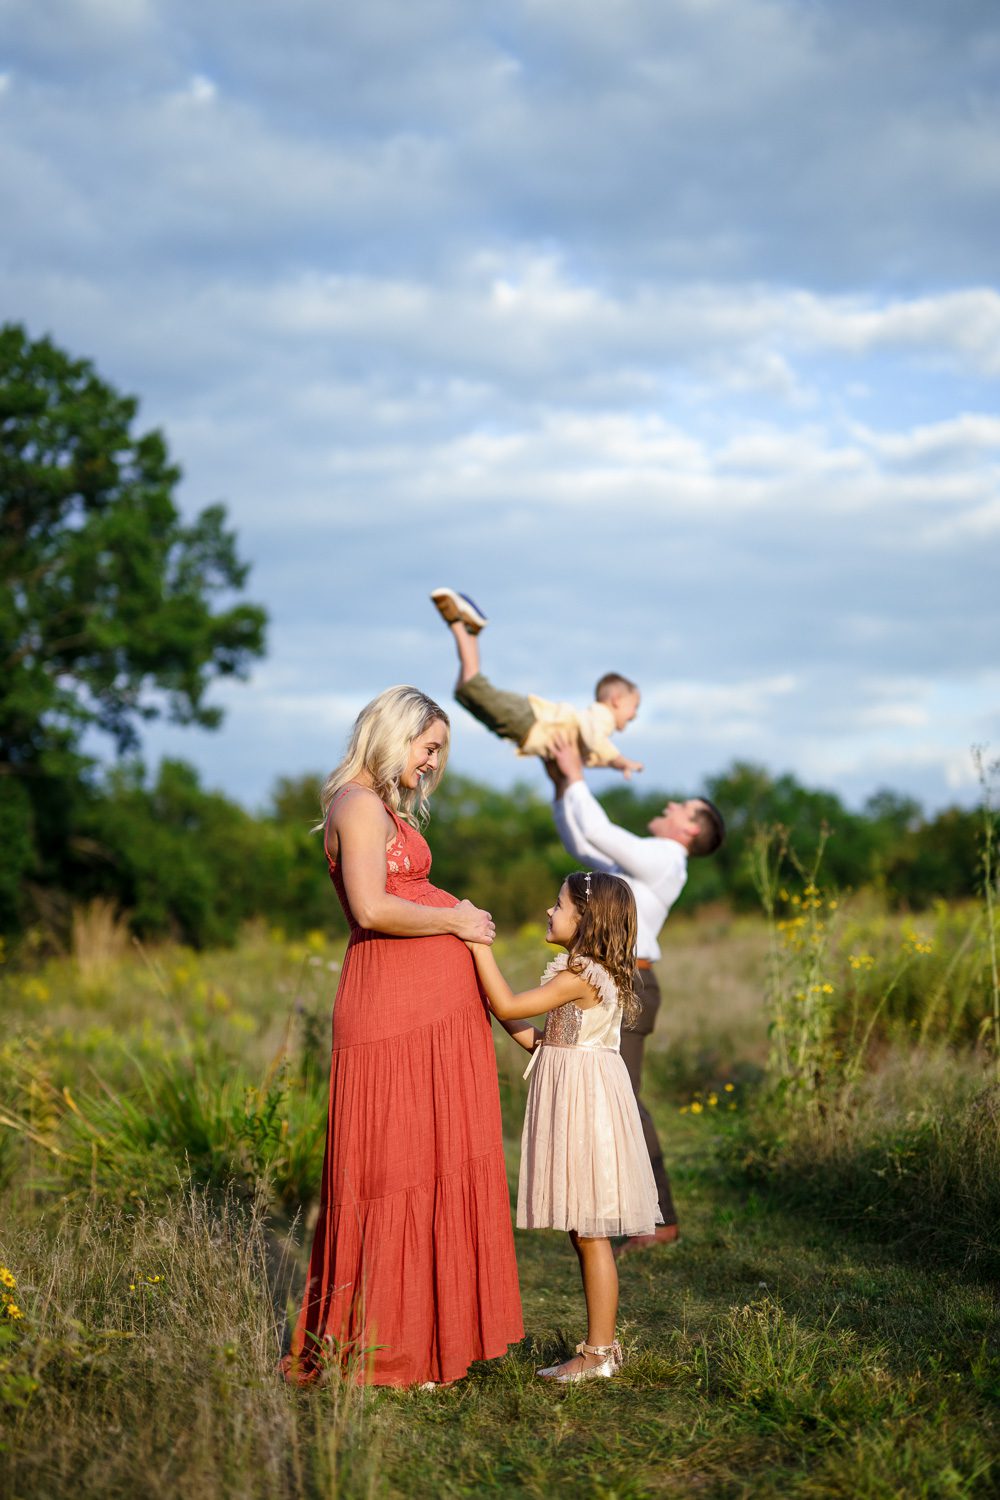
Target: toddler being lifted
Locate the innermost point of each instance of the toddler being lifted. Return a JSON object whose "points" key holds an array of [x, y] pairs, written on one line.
{"points": [[533, 723]]}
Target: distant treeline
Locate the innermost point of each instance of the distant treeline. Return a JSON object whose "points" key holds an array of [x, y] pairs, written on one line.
{"points": [[190, 863], [116, 609]]}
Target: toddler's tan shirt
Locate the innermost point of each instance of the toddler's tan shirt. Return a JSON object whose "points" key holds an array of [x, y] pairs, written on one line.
{"points": [[591, 726]]}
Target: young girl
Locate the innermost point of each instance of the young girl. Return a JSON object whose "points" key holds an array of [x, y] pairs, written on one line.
{"points": [[584, 1163]]}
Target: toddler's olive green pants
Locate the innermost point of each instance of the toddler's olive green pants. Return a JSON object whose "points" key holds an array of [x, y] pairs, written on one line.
{"points": [[507, 714]]}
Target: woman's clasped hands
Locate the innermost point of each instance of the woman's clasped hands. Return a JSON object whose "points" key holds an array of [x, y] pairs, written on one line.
{"points": [[473, 925]]}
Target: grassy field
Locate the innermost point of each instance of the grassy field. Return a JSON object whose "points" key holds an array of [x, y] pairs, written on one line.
{"points": [[827, 1324]]}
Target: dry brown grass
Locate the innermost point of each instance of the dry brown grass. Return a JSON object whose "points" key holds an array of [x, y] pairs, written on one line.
{"points": [[154, 1340], [99, 939], [712, 978]]}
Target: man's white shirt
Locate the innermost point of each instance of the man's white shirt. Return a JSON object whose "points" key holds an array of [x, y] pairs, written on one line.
{"points": [[656, 869]]}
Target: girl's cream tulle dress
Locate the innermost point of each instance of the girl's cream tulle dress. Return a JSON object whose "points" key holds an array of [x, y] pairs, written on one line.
{"points": [[584, 1163]]}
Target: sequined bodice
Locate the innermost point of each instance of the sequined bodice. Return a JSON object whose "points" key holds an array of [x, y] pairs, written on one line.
{"points": [[598, 1025]]}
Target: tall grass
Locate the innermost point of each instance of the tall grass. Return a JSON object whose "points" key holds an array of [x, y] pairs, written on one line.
{"points": [[987, 773], [881, 1108], [99, 940], [164, 1136], [160, 1327], [911, 1157], [194, 1113]]}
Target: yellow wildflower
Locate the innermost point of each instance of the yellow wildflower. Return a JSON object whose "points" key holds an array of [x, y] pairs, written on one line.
{"points": [[13, 1311], [713, 1100], [7, 1277], [729, 1087], [696, 1108]]}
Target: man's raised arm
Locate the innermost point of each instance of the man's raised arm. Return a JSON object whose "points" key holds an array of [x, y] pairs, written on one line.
{"points": [[568, 826], [640, 857]]}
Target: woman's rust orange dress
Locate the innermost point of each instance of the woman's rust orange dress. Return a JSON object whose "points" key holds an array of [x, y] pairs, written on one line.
{"points": [[412, 1267]]}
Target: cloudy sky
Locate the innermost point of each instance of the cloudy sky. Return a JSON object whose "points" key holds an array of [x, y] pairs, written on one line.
{"points": [[668, 329]]}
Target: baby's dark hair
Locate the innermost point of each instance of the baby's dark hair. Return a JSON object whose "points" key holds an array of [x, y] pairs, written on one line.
{"points": [[611, 682], [606, 933]]}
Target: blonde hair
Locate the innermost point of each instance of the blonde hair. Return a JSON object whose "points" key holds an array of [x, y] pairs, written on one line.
{"points": [[606, 932], [380, 745]]}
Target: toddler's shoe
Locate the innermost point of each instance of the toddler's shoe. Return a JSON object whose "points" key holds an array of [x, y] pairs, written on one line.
{"points": [[452, 606]]}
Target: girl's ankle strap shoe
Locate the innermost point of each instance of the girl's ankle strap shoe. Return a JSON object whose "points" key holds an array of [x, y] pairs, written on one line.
{"points": [[609, 1363]]}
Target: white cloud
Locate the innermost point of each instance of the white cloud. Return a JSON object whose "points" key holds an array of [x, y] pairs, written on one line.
{"points": [[199, 90], [719, 713], [964, 436], [964, 325], [674, 327]]}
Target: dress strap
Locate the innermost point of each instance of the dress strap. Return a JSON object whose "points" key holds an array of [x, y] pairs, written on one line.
{"points": [[395, 817], [349, 786]]}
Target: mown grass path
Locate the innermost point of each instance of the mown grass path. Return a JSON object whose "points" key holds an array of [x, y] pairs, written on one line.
{"points": [[767, 1356]]}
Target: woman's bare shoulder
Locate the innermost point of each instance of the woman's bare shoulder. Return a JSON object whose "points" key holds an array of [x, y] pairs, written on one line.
{"points": [[359, 810]]}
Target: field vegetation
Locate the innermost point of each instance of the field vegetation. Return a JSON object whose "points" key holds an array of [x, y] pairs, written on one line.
{"points": [[825, 1078], [826, 1326]]}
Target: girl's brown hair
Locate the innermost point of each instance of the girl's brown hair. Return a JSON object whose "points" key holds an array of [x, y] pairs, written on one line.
{"points": [[607, 933]]}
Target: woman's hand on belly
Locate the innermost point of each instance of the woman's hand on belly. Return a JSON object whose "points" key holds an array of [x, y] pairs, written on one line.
{"points": [[471, 924]]}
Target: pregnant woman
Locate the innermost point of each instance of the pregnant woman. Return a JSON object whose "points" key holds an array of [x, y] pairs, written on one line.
{"points": [[412, 1270]]}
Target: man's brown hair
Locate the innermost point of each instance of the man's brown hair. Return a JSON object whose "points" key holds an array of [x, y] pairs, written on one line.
{"points": [[711, 829]]}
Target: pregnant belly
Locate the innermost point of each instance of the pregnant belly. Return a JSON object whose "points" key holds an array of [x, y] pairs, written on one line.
{"points": [[391, 985]]}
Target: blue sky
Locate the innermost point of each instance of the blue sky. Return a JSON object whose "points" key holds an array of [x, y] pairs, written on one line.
{"points": [[669, 329]]}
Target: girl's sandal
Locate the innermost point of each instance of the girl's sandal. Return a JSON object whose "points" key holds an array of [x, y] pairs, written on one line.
{"points": [[609, 1363]]}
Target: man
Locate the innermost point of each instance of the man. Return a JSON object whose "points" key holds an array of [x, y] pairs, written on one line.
{"points": [[656, 869]]}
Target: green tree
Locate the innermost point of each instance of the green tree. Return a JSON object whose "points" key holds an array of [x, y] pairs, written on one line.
{"points": [[183, 861], [113, 609]]}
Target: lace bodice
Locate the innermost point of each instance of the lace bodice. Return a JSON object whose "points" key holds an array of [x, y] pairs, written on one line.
{"points": [[597, 1026], [407, 867]]}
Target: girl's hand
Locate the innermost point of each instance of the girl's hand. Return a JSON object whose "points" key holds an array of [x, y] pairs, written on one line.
{"points": [[472, 925]]}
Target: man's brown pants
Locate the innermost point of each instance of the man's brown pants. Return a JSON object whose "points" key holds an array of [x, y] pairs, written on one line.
{"points": [[647, 988]]}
